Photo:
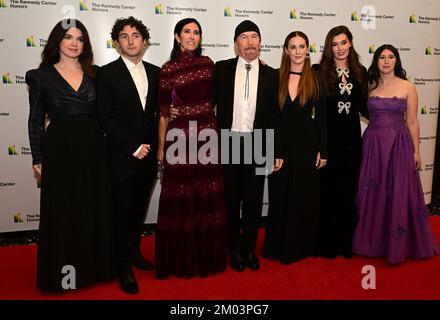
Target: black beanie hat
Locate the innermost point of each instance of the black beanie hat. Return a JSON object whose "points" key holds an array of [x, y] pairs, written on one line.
{"points": [[246, 26]]}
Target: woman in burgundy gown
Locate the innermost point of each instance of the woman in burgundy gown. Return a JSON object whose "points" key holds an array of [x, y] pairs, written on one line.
{"points": [[191, 233], [393, 218]]}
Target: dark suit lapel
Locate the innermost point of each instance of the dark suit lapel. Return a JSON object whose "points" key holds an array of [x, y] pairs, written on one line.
{"points": [[230, 80], [151, 84], [261, 84], [129, 83], [260, 92]]}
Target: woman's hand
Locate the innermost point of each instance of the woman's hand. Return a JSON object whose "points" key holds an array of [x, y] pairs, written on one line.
{"points": [[417, 160], [160, 154], [174, 112], [37, 170]]}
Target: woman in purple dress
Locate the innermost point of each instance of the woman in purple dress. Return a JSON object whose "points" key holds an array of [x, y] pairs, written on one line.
{"points": [[191, 233], [393, 218]]}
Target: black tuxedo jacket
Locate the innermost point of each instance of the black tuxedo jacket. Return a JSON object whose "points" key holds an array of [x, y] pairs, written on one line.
{"points": [[267, 110], [123, 119]]}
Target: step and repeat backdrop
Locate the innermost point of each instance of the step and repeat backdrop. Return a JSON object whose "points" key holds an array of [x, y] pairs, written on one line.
{"points": [[411, 26]]}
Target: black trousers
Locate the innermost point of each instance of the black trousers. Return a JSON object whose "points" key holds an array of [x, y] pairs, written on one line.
{"points": [[131, 199], [244, 190]]}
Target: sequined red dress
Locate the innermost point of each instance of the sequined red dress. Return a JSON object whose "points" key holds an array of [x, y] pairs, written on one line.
{"points": [[191, 233]]}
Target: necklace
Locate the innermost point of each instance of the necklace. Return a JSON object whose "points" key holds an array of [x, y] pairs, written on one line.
{"points": [[294, 72]]}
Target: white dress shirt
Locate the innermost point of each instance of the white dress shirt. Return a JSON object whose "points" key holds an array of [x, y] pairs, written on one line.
{"points": [[245, 103], [139, 76]]}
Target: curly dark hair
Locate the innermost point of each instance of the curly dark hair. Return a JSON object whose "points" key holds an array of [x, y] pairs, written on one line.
{"points": [[51, 52], [132, 22], [373, 70]]}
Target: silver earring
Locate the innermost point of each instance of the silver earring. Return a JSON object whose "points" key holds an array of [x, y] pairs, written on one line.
{"points": [[308, 55]]}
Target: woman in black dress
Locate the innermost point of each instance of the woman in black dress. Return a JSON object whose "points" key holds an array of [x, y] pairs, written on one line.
{"points": [[346, 83], [294, 189], [69, 156]]}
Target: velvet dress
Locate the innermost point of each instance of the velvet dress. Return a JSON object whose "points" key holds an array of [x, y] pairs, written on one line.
{"points": [[191, 232], [76, 225], [340, 177], [293, 217]]}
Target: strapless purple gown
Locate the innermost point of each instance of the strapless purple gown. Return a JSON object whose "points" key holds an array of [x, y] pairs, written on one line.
{"points": [[392, 216]]}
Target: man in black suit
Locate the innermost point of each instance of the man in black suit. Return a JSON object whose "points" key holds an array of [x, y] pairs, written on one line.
{"points": [[127, 109], [246, 95]]}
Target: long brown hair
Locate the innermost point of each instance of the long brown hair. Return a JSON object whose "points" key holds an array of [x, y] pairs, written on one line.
{"points": [[327, 68], [51, 52], [307, 86]]}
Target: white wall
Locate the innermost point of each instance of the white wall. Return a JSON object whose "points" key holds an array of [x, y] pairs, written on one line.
{"points": [[33, 20]]}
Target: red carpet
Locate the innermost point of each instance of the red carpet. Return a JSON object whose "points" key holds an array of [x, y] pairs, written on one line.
{"points": [[313, 278]]}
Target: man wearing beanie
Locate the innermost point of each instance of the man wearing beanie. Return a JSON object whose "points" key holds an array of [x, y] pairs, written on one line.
{"points": [[246, 95]]}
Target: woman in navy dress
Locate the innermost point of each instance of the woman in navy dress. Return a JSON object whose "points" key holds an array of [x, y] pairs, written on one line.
{"points": [[76, 230]]}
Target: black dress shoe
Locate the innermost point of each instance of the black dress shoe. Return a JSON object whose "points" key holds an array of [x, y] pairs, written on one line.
{"points": [[141, 263], [128, 282], [252, 261], [237, 262]]}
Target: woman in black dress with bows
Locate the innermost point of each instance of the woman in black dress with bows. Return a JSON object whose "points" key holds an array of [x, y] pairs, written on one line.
{"points": [[346, 84], [70, 156]]}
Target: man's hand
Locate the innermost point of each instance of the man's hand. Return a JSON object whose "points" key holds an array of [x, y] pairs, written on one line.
{"points": [[143, 151], [278, 164], [320, 163]]}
